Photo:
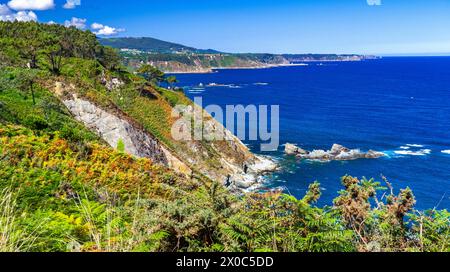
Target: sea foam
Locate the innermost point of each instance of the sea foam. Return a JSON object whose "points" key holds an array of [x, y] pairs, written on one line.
{"points": [[422, 152], [415, 145]]}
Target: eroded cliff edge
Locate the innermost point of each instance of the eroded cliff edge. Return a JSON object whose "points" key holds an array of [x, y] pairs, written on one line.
{"points": [[229, 161]]}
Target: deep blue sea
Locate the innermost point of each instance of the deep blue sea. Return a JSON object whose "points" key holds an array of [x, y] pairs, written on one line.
{"points": [[400, 106]]}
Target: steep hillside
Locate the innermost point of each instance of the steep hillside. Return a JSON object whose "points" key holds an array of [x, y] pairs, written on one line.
{"points": [[121, 107], [87, 163]]}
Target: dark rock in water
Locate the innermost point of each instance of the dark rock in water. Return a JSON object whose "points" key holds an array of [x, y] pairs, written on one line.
{"points": [[337, 153]]}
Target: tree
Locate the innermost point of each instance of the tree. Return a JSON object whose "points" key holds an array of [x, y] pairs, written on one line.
{"points": [[30, 42], [151, 74], [31, 45], [108, 57], [54, 52], [26, 81], [171, 80]]}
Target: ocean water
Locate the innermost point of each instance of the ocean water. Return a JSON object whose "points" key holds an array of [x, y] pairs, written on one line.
{"points": [[400, 106]]}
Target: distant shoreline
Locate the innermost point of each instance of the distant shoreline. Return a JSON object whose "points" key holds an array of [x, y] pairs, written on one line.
{"points": [[268, 66], [212, 69]]}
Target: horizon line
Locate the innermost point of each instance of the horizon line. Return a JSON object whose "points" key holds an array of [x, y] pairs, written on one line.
{"points": [[415, 54]]}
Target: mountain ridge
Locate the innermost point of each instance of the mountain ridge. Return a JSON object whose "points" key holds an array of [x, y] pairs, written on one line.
{"points": [[149, 44], [176, 58]]}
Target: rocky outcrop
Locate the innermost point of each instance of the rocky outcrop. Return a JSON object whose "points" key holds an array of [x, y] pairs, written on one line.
{"points": [[237, 167], [111, 84], [292, 149], [336, 153], [115, 128]]}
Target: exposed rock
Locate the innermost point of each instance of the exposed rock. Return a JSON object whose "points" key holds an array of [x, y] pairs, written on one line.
{"points": [[292, 149], [337, 153], [238, 167], [338, 149], [111, 84], [349, 155], [244, 181], [114, 84], [114, 129], [262, 165], [318, 155], [371, 154]]}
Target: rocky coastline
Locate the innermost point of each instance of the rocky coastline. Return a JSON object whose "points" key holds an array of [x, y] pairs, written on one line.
{"points": [[336, 153]]}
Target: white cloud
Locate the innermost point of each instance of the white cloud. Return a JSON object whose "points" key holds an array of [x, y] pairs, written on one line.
{"points": [[71, 4], [4, 10], [374, 2], [76, 22], [31, 4], [103, 30], [21, 16], [97, 26], [6, 14], [25, 16]]}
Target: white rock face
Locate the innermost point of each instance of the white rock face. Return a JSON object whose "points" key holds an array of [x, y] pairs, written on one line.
{"points": [[114, 129], [291, 149], [240, 173], [111, 84], [263, 165], [109, 127]]}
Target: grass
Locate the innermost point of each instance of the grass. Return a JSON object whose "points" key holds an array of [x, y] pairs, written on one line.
{"points": [[46, 114], [12, 237]]}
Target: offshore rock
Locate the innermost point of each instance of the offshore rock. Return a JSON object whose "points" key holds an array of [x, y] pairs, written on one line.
{"points": [[336, 153]]}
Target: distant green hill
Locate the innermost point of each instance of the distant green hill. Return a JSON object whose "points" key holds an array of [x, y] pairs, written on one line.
{"points": [[176, 58], [151, 45]]}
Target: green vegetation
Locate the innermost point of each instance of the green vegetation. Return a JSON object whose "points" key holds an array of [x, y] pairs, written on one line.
{"points": [[37, 109], [170, 57], [63, 189], [151, 45]]}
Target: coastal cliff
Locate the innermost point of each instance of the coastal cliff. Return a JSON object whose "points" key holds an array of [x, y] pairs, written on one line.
{"points": [[207, 63], [229, 161], [175, 58], [88, 164]]}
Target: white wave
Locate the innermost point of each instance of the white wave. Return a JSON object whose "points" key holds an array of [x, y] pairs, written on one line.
{"points": [[415, 145], [261, 84], [405, 147], [233, 86], [422, 152], [446, 152], [216, 85]]}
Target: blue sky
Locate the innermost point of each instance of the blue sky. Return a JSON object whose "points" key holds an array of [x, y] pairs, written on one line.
{"points": [[283, 26]]}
